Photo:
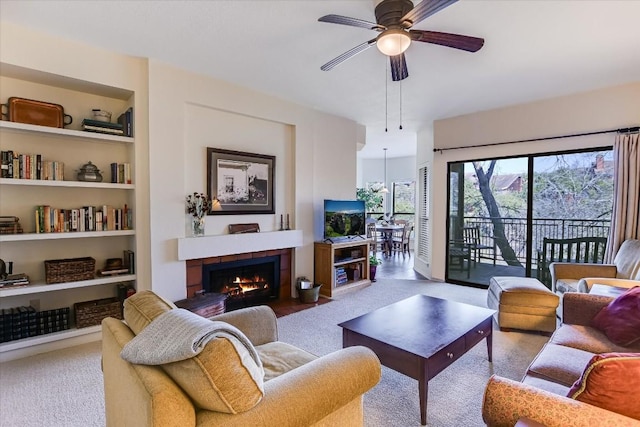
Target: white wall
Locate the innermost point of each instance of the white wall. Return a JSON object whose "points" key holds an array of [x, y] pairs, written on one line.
{"points": [[610, 108], [398, 169], [316, 154]]}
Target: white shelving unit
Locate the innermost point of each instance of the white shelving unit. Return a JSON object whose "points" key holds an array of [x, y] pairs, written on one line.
{"points": [[74, 147]]}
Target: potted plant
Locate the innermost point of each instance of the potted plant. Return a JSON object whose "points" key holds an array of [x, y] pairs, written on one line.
{"points": [[374, 262]]}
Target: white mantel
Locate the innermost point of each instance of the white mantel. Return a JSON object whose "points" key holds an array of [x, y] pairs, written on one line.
{"points": [[230, 244]]}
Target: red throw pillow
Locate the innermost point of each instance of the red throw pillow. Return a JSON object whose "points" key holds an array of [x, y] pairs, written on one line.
{"points": [[620, 320], [610, 381]]}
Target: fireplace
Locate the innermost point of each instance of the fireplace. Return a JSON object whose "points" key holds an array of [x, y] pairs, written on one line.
{"points": [[246, 282]]}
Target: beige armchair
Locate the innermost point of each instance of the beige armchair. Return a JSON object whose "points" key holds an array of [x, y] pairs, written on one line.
{"points": [[300, 389], [579, 277]]}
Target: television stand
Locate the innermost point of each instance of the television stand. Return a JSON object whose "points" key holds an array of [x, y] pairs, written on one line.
{"points": [[341, 266]]}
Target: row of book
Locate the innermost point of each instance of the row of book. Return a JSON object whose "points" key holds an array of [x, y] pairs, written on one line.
{"points": [[87, 218], [10, 225], [30, 166], [121, 173], [341, 276], [23, 322]]}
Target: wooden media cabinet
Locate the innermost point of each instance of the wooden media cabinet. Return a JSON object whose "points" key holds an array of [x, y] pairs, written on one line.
{"points": [[342, 266]]}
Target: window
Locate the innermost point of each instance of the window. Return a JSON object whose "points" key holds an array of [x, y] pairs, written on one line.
{"points": [[404, 200], [500, 210]]}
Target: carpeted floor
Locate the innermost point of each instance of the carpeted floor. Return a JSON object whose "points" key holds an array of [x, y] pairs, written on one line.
{"points": [[64, 388]]}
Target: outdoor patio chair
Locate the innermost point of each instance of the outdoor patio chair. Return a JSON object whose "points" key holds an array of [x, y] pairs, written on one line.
{"points": [[574, 250], [471, 236]]}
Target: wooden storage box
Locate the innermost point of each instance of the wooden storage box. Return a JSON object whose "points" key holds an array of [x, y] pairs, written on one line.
{"points": [[205, 305], [91, 313], [69, 270]]}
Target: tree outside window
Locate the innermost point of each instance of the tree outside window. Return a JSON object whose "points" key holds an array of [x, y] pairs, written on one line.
{"points": [[404, 200]]}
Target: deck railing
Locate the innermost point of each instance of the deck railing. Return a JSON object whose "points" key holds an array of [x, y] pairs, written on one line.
{"points": [[555, 228]]}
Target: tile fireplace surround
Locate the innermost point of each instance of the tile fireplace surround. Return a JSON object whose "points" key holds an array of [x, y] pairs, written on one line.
{"points": [[206, 250]]}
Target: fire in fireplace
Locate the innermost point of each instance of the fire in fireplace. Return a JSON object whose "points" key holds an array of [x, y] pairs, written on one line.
{"points": [[246, 282]]}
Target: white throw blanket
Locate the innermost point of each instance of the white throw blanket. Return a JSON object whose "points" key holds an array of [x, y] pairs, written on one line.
{"points": [[179, 335]]}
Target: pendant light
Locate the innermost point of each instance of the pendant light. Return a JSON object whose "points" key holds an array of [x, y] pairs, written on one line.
{"points": [[384, 187]]}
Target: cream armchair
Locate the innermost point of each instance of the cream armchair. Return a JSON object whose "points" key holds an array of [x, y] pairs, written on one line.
{"points": [[300, 389], [579, 277]]}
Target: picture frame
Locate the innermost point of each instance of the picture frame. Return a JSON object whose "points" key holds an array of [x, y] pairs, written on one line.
{"points": [[240, 183]]}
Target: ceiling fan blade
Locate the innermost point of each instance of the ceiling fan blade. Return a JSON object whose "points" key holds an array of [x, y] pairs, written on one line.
{"points": [[353, 22], [456, 41], [424, 9], [348, 54], [398, 67]]}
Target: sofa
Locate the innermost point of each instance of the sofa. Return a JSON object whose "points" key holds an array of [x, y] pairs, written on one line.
{"points": [[218, 387], [541, 394], [579, 277]]}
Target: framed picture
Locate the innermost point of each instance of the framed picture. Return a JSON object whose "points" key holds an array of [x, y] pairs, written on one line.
{"points": [[242, 183]]}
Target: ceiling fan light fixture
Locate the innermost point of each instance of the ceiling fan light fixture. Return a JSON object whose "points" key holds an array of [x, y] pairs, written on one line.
{"points": [[393, 42]]}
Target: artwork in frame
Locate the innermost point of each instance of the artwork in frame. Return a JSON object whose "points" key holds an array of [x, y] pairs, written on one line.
{"points": [[242, 183]]}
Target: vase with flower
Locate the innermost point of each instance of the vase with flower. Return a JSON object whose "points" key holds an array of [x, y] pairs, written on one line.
{"points": [[198, 205]]}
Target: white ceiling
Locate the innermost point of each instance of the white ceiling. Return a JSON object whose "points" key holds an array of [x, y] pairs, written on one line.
{"points": [[533, 50]]}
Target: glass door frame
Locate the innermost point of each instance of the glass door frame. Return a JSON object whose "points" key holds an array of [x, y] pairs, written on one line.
{"points": [[529, 209]]}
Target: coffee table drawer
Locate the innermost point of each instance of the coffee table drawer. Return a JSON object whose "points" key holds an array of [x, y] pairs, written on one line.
{"points": [[476, 335], [446, 357]]}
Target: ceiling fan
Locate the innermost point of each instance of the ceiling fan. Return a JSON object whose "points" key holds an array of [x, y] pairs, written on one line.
{"points": [[394, 19]]}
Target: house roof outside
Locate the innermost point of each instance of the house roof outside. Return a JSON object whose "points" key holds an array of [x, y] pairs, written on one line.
{"points": [[533, 50]]}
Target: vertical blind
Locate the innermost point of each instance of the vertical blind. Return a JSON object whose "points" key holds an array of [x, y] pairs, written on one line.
{"points": [[423, 217]]}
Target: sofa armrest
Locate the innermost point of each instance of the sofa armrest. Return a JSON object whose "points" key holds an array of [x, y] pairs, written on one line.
{"points": [[138, 395], [505, 401], [584, 285], [258, 323], [578, 270], [579, 308], [309, 393]]}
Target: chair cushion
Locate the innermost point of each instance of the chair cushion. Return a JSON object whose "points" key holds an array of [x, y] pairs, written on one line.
{"points": [[619, 320], [558, 363], [279, 358], [588, 339], [627, 260], [218, 378], [611, 381]]}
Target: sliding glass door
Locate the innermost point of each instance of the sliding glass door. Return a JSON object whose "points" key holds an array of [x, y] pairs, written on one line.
{"points": [[500, 210]]}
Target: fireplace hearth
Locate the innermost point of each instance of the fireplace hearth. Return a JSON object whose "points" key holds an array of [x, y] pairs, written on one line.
{"points": [[246, 282]]}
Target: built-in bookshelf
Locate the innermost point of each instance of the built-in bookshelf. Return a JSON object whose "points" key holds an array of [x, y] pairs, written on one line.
{"points": [[72, 147]]}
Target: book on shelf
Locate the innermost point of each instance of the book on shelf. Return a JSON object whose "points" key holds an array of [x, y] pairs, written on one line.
{"points": [[14, 280], [129, 262], [126, 120], [120, 173], [99, 129], [114, 272], [98, 123]]}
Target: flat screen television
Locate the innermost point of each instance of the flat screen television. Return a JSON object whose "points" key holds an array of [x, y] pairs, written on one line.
{"points": [[343, 218]]}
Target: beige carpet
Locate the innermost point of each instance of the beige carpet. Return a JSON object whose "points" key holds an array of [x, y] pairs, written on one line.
{"points": [[64, 388]]}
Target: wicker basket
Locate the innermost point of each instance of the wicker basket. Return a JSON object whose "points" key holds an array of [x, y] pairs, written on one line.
{"points": [[90, 313], [69, 270]]}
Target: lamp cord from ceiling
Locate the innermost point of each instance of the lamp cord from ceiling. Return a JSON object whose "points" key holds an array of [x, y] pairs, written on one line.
{"points": [[386, 97], [400, 104]]}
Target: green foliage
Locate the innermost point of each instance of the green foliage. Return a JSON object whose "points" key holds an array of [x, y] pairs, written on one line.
{"points": [[374, 261], [372, 198]]}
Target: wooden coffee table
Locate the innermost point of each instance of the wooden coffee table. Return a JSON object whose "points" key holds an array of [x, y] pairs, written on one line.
{"points": [[420, 336]]}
